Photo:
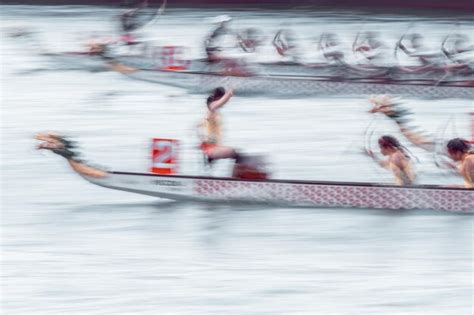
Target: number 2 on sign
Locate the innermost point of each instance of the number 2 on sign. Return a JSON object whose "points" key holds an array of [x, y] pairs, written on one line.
{"points": [[164, 156]]}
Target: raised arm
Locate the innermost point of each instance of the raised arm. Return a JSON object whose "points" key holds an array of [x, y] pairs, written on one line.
{"points": [[221, 102], [384, 105]]}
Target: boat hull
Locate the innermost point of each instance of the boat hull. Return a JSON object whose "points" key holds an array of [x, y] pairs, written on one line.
{"points": [[291, 193], [290, 86]]}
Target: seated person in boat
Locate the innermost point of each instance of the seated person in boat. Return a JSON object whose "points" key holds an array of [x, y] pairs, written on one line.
{"points": [[214, 40], [210, 129], [285, 45], [416, 49], [386, 105], [330, 46], [459, 150], [250, 39], [130, 21], [398, 161], [458, 49], [372, 48]]}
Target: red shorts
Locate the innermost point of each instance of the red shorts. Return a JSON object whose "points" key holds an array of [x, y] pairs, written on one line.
{"points": [[206, 147]]}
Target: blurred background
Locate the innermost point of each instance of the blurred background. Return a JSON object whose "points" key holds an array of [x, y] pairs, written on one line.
{"points": [[70, 247]]}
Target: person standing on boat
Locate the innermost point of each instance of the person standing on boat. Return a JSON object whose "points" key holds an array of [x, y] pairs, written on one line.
{"points": [[398, 161], [459, 150], [386, 105], [210, 129]]}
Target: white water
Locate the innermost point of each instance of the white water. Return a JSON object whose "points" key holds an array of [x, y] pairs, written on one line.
{"points": [[70, 247]]}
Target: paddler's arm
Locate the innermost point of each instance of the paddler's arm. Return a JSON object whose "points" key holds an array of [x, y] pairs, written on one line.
{"points": [[221, 102], [415, 138], [276, 38], [380, 162], [399, 117], [405, 49], [278, 43], [400, 166], [468, 172]]}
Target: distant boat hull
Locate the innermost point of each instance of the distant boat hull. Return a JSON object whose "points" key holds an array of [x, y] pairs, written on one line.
{"points": [[291, 86]]}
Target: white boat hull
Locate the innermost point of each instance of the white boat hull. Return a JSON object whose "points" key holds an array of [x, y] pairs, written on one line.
{"points": [[201, 82], [291, 193]]}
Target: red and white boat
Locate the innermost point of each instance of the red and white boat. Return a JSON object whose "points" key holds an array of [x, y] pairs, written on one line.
{"points": [[250, 185], [321, 194]]}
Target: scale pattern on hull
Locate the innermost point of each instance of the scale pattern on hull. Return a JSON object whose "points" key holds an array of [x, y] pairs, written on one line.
{"points": [[298, 86], [337, 196]]}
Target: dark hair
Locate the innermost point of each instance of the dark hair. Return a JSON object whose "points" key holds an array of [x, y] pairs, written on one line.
{"points": [[389, 142], [392, 142], [458, 145], [216, 94]]}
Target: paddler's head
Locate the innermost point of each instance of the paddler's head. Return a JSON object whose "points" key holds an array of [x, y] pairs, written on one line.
{"points": [[389, 145], [217, 94], [457, 148]]}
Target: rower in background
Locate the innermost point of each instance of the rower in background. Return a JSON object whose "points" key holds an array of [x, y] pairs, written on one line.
{"points": [[459, 49], [386, 105], [371, 48], [417, 50], [250, 39], [130, 23], [459, 150], [210, 128], [219, 40], [398, 161], [215, 41], [331, 48], [285, 45]]}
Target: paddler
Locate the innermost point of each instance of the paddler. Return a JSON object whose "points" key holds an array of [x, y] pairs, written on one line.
{"points": [[210, 129], [386, 105], [214, 40], [285, 45], [249, 39], [331, 48], [460, 151], [372, 48], [416, 49], [458, 49], [214, 45], [398, 161], [129, 23]]}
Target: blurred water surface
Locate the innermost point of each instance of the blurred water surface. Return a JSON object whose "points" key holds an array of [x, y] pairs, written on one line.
{"points": [[72, 248]]}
